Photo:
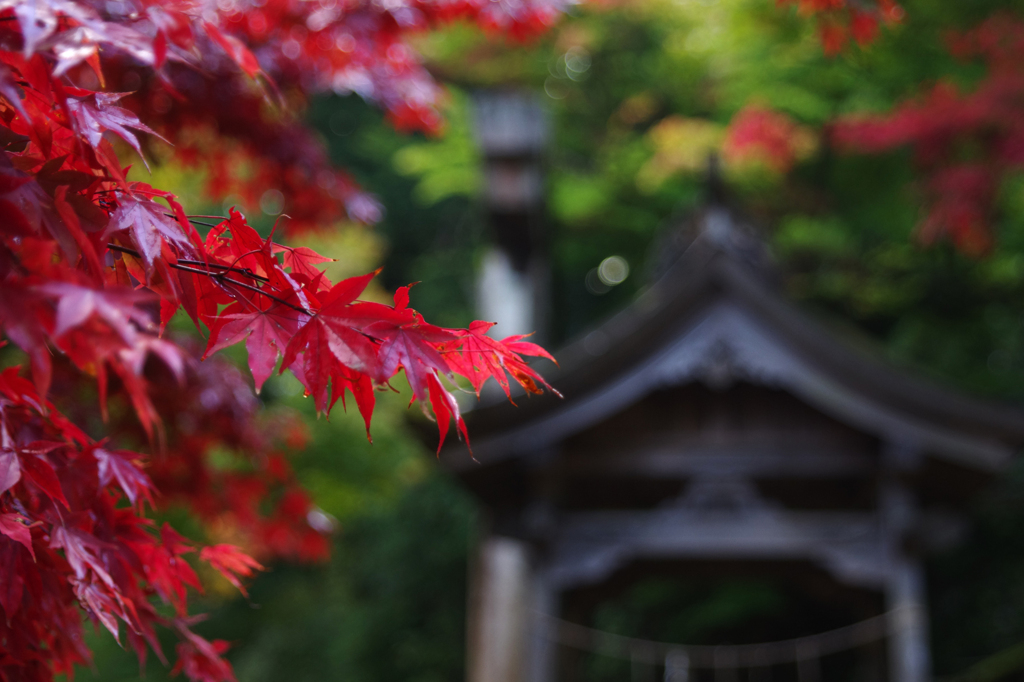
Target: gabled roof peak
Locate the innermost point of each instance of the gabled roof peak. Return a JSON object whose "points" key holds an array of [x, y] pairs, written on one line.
{"points": [[723, 229], [715, 225]]}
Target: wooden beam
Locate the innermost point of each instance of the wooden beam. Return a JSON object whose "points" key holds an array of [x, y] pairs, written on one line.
{"points": [[590, 546], [754, 461]]}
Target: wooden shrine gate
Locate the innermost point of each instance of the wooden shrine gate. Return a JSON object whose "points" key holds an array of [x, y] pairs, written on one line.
{"points": [[713, 420]]}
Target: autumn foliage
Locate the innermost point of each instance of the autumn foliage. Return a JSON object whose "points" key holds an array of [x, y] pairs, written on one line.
{"points": [[839, 21], [94, 265], [759, 135], [965, 142]]}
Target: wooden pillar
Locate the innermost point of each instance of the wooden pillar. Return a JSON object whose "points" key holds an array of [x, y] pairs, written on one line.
{"points": [[909, 654], [543, 649], [498, 647]]}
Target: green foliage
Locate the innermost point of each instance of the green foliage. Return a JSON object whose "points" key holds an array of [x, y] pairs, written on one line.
{"points": [[667, 610], [387, 608], [449, 166], [694, 613], [976, 593]]}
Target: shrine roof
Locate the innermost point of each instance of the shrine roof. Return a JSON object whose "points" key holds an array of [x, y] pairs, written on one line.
{"points": [[717, 314]]}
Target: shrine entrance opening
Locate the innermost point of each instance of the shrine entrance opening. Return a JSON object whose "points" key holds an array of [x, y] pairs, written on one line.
{"points": [[714, 603], [713, 430]]}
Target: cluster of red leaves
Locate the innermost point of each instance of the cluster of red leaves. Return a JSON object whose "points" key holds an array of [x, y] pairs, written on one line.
{"points": [[73, 533], [274, 299], [759, 135], [221, 457], [256, 502], [964, 143], [839, 21], [93, 266]]}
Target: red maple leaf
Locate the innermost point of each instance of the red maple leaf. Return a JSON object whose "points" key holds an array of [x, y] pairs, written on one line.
{"points": [[323, 345], [149, 228], [9, 90], [10, 468], [12, 567], [230, 562], [96, 113], [83, 551], [302, 259], [445, 409], [166, 569], [407, 342], [266, 326], [15, 527], [235, 49], [361, 387], [76, 304], [121, 466], [79, 242], [331, 342], [41, 473], [201, 660]]}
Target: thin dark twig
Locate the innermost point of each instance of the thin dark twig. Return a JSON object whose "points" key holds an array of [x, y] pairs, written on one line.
{"points": [[121, 249], [192, 220], [222, 277], [156, 193], [240, 271], [247, 253], [223, 284]]}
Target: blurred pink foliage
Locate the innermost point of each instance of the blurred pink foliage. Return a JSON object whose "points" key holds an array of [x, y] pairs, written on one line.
{"points": [[965, 144], [759, 135], [841, 20]]}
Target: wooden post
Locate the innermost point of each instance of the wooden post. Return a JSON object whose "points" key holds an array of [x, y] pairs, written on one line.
{"points": [[511, 128], [908, 651], [498, 645], [543, 648], [677, 666]]}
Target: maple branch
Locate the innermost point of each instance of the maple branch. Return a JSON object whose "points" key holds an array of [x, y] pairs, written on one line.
{"points": [[241, 271], [156, 193], [222, 277], [247, 253], [192, 220]]}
